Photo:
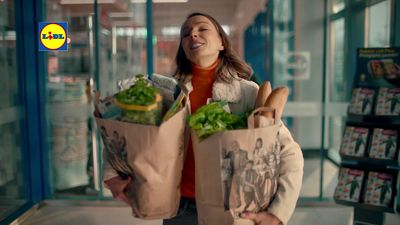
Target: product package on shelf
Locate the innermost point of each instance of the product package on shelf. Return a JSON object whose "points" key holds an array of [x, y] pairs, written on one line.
{"points": [[349, 185], [378, 66], [69, 116], [379, 189], [361, 101], [388, 102], [384, 144], [354, 141]]}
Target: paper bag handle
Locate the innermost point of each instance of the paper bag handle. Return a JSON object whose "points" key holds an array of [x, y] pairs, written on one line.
{"points": [[250, 119]]}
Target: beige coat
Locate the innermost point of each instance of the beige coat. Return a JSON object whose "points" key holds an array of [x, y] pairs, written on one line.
{"points": [[241, 96]]}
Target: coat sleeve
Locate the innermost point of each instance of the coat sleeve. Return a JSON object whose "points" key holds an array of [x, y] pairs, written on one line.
{"points": [[290, 177]]}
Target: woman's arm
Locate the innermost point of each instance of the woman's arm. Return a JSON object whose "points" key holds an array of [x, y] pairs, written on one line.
{"points": [[289, 184], [290, 177]]}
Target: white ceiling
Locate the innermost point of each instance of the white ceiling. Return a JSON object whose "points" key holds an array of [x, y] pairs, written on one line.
{"points": [[174, 14], [233, 13]]}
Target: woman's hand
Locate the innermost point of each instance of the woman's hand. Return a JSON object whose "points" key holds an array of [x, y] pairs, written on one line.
{"points": [[262, 218], [117, 187]]}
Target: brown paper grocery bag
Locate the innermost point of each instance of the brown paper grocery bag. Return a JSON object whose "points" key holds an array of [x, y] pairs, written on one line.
{"points": [[236, 171], [153, 157]]}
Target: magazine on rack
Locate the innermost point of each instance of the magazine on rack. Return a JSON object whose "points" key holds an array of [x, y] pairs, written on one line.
{"points": [[384, 144], [361, 101], [379, 189], [349, 185], [354, 141], [388, 102]]}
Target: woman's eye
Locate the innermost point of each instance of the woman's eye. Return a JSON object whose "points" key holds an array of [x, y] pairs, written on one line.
{"points": [[185, 34]]}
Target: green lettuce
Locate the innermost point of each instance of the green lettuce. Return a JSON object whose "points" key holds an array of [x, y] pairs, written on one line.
{"points": [[141, 93], [212, 118]]}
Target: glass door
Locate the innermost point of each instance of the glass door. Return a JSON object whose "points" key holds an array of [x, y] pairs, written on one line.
{"points": [[70, 77], [107, 45], [296, 61], [12, 183]]}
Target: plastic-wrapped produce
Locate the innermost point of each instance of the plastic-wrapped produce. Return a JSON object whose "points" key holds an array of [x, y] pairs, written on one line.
{"points": [[141, 103]]}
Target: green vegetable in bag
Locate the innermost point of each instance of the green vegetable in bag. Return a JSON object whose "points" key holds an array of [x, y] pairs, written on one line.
{"points": [[212, 118], [141, 93], [141, 103]]}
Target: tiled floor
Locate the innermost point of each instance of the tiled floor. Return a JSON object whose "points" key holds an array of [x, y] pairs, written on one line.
{"points": [[99, 214], [111, 212], [311, 178]]}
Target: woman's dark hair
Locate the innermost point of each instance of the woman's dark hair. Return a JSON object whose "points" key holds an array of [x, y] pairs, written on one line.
{"points": [[230, 63]]}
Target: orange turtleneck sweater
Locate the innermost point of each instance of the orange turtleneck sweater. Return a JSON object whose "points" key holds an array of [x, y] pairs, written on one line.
{"points": [[202, 82]]}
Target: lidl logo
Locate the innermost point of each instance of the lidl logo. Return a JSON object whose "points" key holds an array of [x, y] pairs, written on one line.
{"points": [[53, 36]]}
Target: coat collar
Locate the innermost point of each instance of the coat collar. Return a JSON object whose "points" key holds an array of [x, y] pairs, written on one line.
{"points": [[229, 92]]}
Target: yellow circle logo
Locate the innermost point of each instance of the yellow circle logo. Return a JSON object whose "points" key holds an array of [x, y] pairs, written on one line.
{"points": [[53, 36]]}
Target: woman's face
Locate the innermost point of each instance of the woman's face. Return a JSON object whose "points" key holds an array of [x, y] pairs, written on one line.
{"points": [[201, 41]]}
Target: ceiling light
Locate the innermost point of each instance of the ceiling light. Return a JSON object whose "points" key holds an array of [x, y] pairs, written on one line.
{"points": [[160, 1], [121, 14]]}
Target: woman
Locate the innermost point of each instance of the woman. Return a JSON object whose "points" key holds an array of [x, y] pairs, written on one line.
{"points": [[260, 152], [208, 68]]}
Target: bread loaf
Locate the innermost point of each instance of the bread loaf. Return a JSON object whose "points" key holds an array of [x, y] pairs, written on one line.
{"points": [[263, 93], [277, 100]]}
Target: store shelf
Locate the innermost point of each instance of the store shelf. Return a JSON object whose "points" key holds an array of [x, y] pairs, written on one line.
{"points": [[374, 178], [370, 163], [395, 82], [366, 206], [374, 120]]}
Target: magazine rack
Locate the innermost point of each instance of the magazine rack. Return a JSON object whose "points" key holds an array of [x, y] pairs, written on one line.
{"points": [[369, 171]]}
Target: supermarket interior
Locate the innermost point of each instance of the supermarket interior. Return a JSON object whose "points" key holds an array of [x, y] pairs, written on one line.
{"points": [[339, 59]]}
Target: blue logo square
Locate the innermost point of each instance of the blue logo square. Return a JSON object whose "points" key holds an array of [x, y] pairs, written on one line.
{"points": [[53, 36]]}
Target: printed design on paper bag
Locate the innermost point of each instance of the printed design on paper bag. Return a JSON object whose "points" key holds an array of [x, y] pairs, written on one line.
{"points": [[236, 158], [249, 178], [115, 152]]}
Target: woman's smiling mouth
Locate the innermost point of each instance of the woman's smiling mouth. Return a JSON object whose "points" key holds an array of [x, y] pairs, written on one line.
{"points": [[195, 45]]}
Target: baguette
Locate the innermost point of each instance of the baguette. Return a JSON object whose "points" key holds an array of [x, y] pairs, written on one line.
{"points": [[277, 100], [263, 92]]}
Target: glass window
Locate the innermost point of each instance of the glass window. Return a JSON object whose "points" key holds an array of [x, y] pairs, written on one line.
{"points": [[12, 190], [337, 6], [378, 24], [298, 64], [117, 47], [337, 86], [337, 76], [70, 75], [337, 92]]}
